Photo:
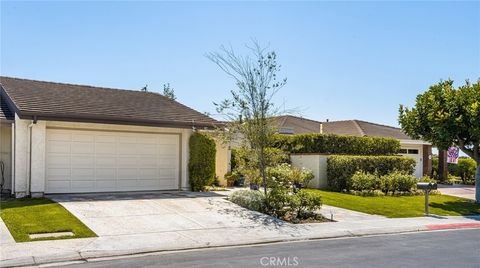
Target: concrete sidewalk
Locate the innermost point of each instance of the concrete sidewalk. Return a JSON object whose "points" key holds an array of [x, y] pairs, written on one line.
{"points": [[41, 252]]}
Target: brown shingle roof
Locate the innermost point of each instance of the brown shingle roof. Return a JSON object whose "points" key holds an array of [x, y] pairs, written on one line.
{"points": [[69, 102], [5, 113], [347, 127]]}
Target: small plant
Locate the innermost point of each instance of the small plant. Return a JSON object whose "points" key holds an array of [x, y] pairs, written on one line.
{"points": [[253, 200], [362, 181], [231, 178], [305, 204]]}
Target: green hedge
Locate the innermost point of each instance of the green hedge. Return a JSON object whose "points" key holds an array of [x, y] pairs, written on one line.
{"points": [[341, 168], [336, 144], [201, 165]]}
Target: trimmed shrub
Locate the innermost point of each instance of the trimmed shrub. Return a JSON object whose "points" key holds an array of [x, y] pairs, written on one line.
{"points": [[304, 205], [341, 168], [336, 144], [201, 165], [465, 169], [253, 200], [362, 181]]}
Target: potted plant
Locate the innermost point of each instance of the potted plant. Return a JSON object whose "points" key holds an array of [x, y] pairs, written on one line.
{"points": [[232, 178]]}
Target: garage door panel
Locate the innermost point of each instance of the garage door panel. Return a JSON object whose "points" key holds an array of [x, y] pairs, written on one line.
{"points": [[127, 148], [105, 148], [96, 161], [83, 138], [126, 184], [80, 185], [125, 161], [146, 149], [83, 173], [59, 136], [105, 185], [167, 162], [127, 173], [82, 148], [106, 138], [82, 161], [58, 160], [58, 147], [58, 186], [167, 149], [147, 162], [57, 172], [105, 161], [106, 173], [167, 173]]}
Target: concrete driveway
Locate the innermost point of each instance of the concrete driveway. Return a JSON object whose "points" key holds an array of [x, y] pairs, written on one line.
{"points": [[157, 212], [460, 190]]}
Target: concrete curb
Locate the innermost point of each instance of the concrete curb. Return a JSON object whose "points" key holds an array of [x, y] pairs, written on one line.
{"points": [[99, 254]]}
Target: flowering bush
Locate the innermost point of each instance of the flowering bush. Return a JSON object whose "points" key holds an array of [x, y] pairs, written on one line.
{"points": [[284, 175], [253, 200]]}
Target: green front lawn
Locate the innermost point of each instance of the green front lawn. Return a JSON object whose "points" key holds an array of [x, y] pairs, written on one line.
{"points": [[400, 207], [40, 215]]}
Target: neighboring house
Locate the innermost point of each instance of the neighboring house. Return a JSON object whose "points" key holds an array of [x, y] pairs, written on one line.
{"points": [[64, 138], [421, 151]]}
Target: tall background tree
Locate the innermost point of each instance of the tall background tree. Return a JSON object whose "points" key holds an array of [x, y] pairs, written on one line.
{"points": [[250, 108], [447, 116]]}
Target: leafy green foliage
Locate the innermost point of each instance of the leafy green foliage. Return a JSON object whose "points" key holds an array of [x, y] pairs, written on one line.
{"points": [[286, 175], [465, 169], [169, 92], [253, 200], [395, 182], [201, 165], [246, 162], [336, 144], [446, 116], [250, 109], [362, 181], [341, 168]]}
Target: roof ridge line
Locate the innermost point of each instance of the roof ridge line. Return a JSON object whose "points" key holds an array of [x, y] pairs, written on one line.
{"points": [[362, 131], [382, 125], [80, 85]]}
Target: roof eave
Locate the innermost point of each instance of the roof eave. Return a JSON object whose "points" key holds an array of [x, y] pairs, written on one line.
{"points": [[117, 121]]}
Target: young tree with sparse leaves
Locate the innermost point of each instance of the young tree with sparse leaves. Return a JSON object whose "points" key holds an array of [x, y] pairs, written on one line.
{"points": [[447, 116], [169, 92], [250, 108]]}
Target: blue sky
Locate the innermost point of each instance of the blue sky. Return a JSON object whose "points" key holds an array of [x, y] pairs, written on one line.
{"points": [[343, 60]]}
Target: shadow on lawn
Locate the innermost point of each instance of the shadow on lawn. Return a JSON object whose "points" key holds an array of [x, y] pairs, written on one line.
{"points": [[466, 208], [24, 202]]}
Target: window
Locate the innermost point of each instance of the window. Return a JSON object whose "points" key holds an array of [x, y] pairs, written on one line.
{"points": [[412, 151], [408, 151], [286, 130]]}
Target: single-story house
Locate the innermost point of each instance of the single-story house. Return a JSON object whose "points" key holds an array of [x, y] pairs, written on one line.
{"points": [[420, 150], [66, 138]]}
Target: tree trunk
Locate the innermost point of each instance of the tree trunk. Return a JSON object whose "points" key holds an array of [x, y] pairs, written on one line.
{"points": [[442, 166], [477, 184]]}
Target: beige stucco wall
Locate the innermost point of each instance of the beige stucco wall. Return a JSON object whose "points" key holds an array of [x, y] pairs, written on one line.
{"points": [[222, 161], [316, 163], [22, 147], [6, 153]]}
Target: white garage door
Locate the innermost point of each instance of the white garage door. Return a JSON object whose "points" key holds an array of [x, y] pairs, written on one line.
{"points": [[97, 161]]}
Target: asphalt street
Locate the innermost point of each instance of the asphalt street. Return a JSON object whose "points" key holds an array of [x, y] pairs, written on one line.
{"points": [[453, 248]]}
